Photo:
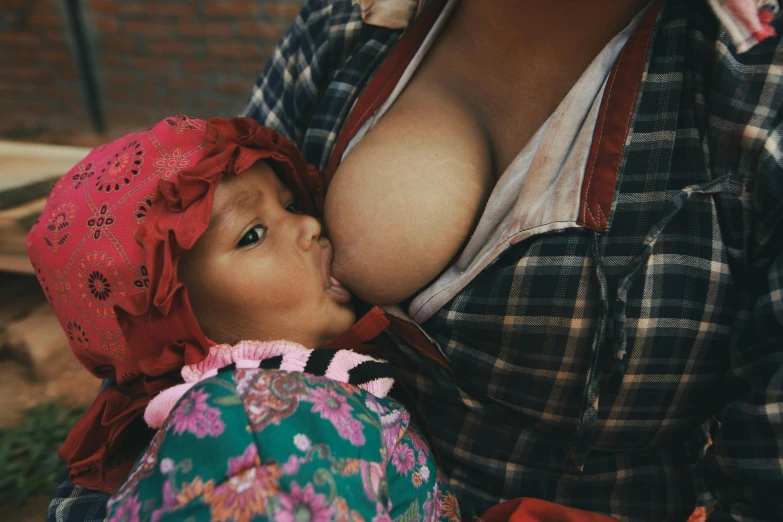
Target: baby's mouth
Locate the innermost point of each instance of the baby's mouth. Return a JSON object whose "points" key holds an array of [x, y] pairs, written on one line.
{"points": [[338, 291], [334, 288]]}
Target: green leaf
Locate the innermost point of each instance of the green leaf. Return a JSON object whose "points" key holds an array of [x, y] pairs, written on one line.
{"points": [[412, 515], [28, 452], [366, 418], [228, 400]]}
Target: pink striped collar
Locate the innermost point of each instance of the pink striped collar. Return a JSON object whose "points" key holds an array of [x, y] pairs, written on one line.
{"points": [[250, 354]]}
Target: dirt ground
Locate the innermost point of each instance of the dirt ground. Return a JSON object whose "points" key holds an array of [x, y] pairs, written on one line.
{"points": [[74, 386], [34, 510]]}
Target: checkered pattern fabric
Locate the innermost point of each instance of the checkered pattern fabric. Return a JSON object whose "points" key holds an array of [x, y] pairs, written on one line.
{"points": [[77, 504], [584, 365], [307, 89]]}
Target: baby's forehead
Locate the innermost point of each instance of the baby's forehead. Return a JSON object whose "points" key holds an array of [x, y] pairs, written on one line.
{"points": [[251, 189]]}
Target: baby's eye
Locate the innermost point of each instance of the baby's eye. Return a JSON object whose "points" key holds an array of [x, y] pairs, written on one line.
{"points": [[293, 208], [253, 236]]}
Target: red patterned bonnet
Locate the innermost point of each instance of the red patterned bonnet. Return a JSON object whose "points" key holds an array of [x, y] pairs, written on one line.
{"points": [[105, 251]]}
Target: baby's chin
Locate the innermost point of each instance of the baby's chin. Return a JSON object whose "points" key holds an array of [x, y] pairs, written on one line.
{"points": [[341, 322]]}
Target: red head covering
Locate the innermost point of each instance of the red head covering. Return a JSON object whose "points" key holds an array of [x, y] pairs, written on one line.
{"points": [[106, 250]]}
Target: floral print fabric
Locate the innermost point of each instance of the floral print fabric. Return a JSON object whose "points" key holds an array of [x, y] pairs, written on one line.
{"points": [[254, 444]]}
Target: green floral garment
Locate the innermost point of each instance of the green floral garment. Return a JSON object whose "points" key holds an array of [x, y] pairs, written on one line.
{"points": [[254, 444]]}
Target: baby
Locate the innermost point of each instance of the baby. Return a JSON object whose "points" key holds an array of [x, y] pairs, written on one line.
{"points": [[186, 253]]}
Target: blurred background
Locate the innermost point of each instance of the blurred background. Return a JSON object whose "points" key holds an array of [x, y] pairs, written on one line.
{"points": [[71, 67], [75, 74]]}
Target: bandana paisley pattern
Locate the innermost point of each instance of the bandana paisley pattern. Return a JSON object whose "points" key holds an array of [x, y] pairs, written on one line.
{"points": [[215, 458]]}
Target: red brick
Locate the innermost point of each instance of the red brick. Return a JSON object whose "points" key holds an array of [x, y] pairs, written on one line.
{"points": [[172, 103], [12, 5], [235, 87], [123, 76], [134, 7], [261, 30], [175, 10], [55, 56], [287, 11], [107, 25], [35, 107], [45, 19], [112, 59], [235, 50], [30, 73], [231, 8], [197, 65], [120, 89], [55, 38], [215, 107], [145, 64], [180, 84], [149, 29], [10, 55], [116, 44], [148, 100], [118, 95], [205, 30], [61, 92], [167, 47], [19, 38], [11, 87], [105, 6], [128, 117], [68, 73], [252, 68]]}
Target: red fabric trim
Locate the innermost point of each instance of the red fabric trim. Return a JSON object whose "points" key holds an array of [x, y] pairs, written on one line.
{"points": [[369, 326], [613, 125], [379, 88], [413, 336], [536, 510]]}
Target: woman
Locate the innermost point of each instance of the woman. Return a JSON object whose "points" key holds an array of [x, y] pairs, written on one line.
{"points": [[595, 258], [600, 268]]}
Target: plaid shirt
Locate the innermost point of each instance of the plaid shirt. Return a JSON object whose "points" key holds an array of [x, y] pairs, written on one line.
{"points": [[583, 364], [77, 504]]}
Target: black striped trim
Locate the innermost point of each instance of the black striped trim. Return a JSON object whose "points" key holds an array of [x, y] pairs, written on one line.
{"points": [[273, 363], [369, 371], [319, 361]]}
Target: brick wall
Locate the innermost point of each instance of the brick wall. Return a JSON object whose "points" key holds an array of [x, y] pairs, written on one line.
{"points": [[37, 75], [152, 58]]}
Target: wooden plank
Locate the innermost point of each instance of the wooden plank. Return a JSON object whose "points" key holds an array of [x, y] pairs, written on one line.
{"points": [[19, 293], [18, 263], [15, 223], [30, 164], [10, 218], [19, 195]]}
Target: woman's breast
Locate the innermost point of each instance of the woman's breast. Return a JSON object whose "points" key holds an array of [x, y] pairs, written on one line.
{"points": [[406, 198]]}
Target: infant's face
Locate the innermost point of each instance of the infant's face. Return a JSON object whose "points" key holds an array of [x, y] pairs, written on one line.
{"points": [[262, 270]]}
